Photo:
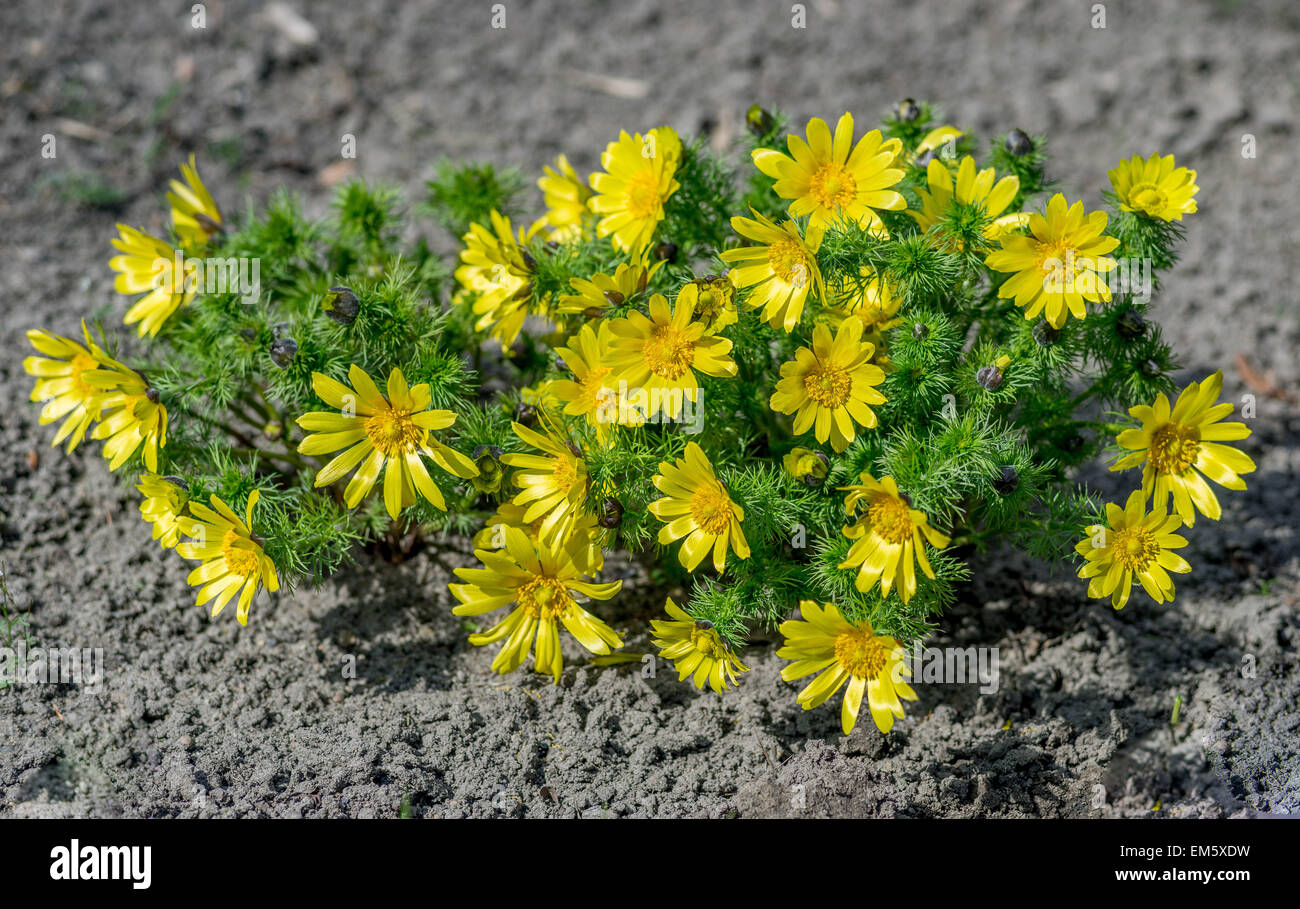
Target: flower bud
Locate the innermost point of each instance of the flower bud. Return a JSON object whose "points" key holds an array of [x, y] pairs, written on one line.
{"points": [[491, 472], [908, 110], [808, 466], [282, 351], [526, 414], [758, 121], [920, 331], [341, 305], [1007, 480], [178, 482], [1130, 325], [1044, 334], [614, 297], [273, 430], [611, 513], [1018, 143], [666, 251], [990, 378]]}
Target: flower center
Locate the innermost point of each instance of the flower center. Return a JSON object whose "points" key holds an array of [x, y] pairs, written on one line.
{"points": [[706, 642], [828, 384], [394, 432], [1149, 198], [593, 388], [643, 195], [79, 364], [833, 186], [891, 519], [860, 653], [1056, 256], [568, 471], [544, 598], [711, 509], [668, 353], [1135, 548], [788, 262], [239, 561], [1174, 448]]}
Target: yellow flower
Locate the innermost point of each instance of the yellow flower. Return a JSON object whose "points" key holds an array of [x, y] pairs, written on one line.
{"points": [[872, 301], [936, 139], [495, 268], [1057, 268], [888, 537], [233, 556], [149, 264], [70, 381], [1136, 545], [195, 217], [637, 181], [830, 178], [1155, 187], [541, 580], [590, 393], [974, 188], [696, 649], [132, 417], [807, 465], [831, 385], [712, 301], [553, 485], [381, 433], [656, 357], [164, 507], [696, 505], [1176, 446], [843, 651], [566, 196], [603, 291], [781, 269]]}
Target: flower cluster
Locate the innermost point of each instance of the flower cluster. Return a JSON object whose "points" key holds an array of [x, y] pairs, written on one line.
{"points": [[816, 379]]}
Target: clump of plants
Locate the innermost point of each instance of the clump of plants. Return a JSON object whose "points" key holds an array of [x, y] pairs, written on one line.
{"points": [[817, 373]]}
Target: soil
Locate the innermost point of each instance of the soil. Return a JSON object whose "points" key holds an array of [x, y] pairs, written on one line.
{"points": [[196, 717]]}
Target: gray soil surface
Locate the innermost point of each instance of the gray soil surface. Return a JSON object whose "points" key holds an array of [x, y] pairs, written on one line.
{"points": [[196, 717]]}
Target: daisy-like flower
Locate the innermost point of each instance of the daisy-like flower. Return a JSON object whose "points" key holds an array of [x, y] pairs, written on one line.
{"points": [[971, 187], [871, 301], [385, 434], [696, 505], [494, 268], [656, 357], [1176, 446], [234, 558], [164, 507], [831, 385], [1155, 187], [696, 649], [132, 417], [712, 301], [584, 542], [1136, 546], [1059, 266], [889, 537], [637, 181], [71, 381], [831, 179], [567, 213], [807, 465], [843, 651], [552, 485], [195, 217], [594, 296], [590, 393], [781, 269], [541, 579], [149, 264]]}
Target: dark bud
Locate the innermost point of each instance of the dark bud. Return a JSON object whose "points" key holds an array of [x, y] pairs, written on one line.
{"points": [[529, 261], [704, 624], [273, 430], [1130, 325], [666, 251], [990, 378], [817, 472], [209, 226], [179, 483], [593, 312], [614, 297], [282, 351], [552, 245], [920, 331], [248, 334], [758, 121], [924, 158], [908, 110], [1006, 481], [611, 513], [577, 452], [341, 305], [1044, 334], [152, 394], [1150, 369], [526, 414], [1073, 443], [524, 292], [1018, 143]]}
